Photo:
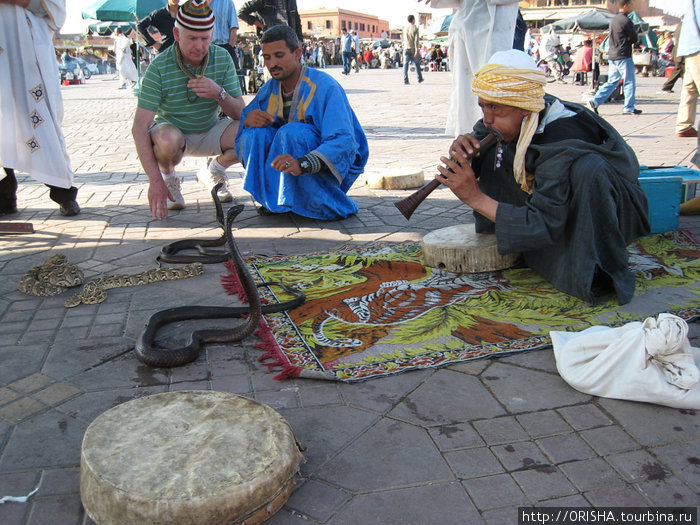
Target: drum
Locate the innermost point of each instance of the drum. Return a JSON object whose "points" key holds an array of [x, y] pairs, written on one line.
{"points": [[190, 457], [460, 249], [395, 178]]}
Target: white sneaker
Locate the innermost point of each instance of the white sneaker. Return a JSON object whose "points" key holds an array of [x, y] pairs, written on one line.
{"points": [[209, 179], [173, 185]]}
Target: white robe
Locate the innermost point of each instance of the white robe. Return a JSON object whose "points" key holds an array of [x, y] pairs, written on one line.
{"points": [[125, 65], [31, 107], [479, 29]]}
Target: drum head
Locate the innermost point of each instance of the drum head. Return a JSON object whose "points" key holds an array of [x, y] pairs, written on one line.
{"points": [[459, 249], [187, 457]]}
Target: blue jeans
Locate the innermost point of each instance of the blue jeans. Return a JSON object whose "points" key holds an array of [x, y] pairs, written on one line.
{"points": [[347, 60], [616, 70], [410, 56]]}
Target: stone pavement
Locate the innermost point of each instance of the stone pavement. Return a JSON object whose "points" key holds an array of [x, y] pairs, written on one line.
{"points": [[463, 444]]}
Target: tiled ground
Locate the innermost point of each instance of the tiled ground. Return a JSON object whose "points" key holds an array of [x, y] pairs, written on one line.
{"points": [[463, 444]]}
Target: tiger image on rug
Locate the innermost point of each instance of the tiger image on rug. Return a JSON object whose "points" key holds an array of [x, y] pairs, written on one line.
{"points": [[396, 302], [366, 309]]}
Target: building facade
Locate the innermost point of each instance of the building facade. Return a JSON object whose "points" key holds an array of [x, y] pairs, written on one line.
{"points": [[330, 23]]}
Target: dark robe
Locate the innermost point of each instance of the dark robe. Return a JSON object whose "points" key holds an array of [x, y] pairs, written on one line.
{"points": [[585, 208]]}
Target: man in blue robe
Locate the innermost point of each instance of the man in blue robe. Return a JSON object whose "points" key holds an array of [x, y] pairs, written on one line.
{"points": [[300, 143]]}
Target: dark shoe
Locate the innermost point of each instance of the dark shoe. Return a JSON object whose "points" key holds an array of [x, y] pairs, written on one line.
{"points": [[421, 80], [591, 105], [406, 82], [632, 112], [8, 210], [687, 133], [69, 208], [263, 211]]}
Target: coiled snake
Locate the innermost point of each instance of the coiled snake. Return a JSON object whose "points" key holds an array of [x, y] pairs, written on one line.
{"points": [[170, 252], [152, 355]]}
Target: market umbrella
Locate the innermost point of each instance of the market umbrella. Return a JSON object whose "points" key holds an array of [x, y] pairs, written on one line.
{"points": [[440, 25], [107, 28], [593, 21], [121, 10]]}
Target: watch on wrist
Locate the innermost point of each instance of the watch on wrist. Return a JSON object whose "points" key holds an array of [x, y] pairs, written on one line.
{"points": [[304, 164], [222, 94]]}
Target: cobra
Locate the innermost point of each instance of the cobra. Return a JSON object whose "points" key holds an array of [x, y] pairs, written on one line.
{"points": [[149, 353]]}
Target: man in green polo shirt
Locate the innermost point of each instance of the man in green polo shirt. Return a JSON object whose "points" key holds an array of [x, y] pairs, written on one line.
{"points": [[181, 96]]}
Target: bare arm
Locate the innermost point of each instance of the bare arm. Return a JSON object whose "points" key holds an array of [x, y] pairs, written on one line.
{"points": [[233, 36], [157, 190], [21, 3]]}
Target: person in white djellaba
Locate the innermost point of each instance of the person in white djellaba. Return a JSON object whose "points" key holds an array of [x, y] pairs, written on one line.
{"points": [[31, 107], [479, 29], [125, 65]]}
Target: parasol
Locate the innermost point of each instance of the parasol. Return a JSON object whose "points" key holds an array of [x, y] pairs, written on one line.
{"points": [[593, 21], [121, 10], [440, 25], [107, 28]]}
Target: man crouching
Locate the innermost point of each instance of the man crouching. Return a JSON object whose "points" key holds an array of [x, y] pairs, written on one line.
{"points": [[300, 141], [184, 90]]}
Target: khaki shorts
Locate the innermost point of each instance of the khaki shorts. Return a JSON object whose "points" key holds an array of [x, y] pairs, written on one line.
{"points": [[203, 144]]}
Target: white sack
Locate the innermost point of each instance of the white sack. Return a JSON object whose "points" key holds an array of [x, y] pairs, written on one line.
{"points": [[650, 361]]}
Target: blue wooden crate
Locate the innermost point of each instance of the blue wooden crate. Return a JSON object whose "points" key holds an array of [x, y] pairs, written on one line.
{"points": [[690, 177], [664, 196]]}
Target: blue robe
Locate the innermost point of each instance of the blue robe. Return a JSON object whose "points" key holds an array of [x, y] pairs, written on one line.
{"points": [[320, 121]]}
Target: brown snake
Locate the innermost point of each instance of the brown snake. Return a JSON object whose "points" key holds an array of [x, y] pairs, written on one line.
{"points": [[152, 355]]}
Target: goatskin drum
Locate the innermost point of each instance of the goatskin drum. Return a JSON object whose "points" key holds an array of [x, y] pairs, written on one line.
{"points": [[459, 249], [187, 458]]}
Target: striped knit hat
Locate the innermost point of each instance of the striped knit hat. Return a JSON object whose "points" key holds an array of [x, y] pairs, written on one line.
{"points": [[195, 15]]}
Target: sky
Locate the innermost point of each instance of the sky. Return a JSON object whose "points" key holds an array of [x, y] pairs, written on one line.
{"points": [[395, 11]]}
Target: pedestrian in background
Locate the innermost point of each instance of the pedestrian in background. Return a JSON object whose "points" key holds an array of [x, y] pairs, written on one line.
{"points": [[226, 31], [689, 49], [267, 13], [163, 20], [125, 64], [411, 49], [678, 65], [620, 64], [346, 47]]}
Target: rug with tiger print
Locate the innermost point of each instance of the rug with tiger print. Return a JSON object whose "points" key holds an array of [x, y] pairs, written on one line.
{"points": [[375, 311]]}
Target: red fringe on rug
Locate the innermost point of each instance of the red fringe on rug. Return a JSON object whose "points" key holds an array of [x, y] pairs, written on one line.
{"points": [[272, 357], [232, 283]]}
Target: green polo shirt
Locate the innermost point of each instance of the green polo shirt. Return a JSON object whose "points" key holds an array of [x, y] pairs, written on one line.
{"points": [[164, 90]]}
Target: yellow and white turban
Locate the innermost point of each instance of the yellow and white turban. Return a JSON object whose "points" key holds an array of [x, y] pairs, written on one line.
{"points": [[511, 78]]}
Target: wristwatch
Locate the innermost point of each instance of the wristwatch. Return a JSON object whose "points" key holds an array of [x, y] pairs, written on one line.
{"points": [[222, 94], [304, 164]]}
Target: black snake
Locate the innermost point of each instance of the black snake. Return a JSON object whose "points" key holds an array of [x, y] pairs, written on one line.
{"points": [[152, 355], [170, 252]]}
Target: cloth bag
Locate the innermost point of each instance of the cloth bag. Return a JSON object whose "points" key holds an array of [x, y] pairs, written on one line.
{"points": [[650, 361]]}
